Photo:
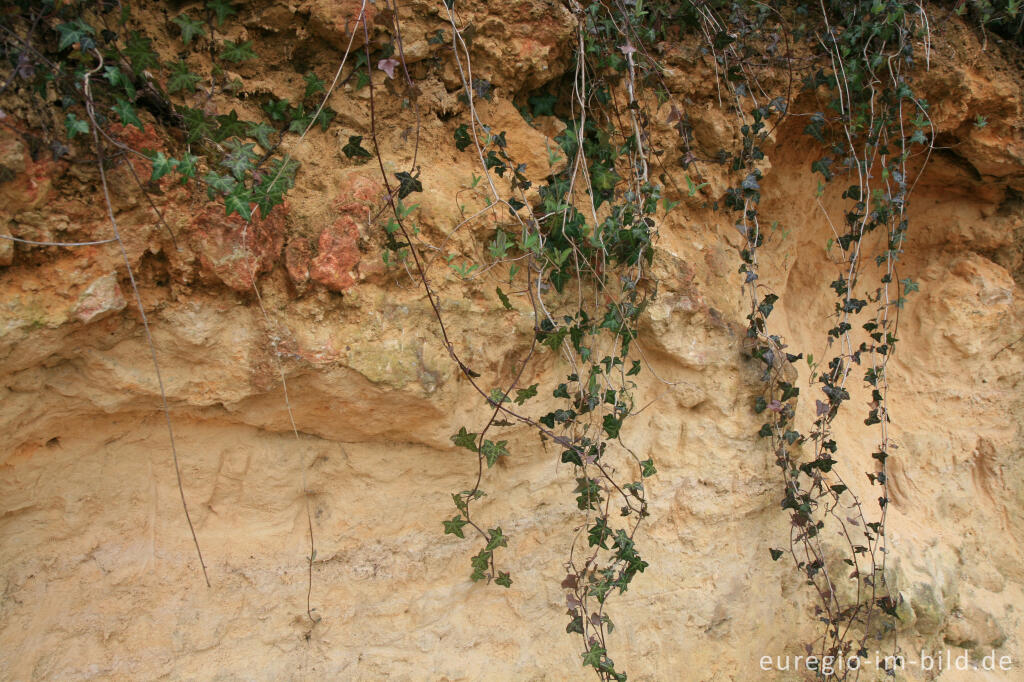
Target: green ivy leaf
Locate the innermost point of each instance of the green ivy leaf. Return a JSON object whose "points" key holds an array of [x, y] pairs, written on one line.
{"points": [[647, 468], [140, 53], [126, 112], [776, 553], [76, 31], [504, 298], [503, 579], [277, 109], [240, 159], [495, 539], [221, 9], [237, 53], [190, 28], [454, 527], [187, 167], [612, 425], [313, 85], [182, 79], [492, 451], [117, 78], [324, 118], [197, 123], [161, 166], [464, 439], [261, 133], [524, 394], [238, 202], [228, 125], [218, 184], [75, 126], [594, 655]]}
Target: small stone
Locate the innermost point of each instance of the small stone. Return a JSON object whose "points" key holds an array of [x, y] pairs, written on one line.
{"points": [[101, 297]]}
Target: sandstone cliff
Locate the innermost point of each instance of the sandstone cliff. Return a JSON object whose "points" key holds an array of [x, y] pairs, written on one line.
{"points": [[98, 574]]}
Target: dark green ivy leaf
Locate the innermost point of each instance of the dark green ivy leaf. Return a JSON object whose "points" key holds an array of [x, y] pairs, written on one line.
{"points": [[464, 439], [776, 553], [238, 202], [139, 51], [182, 79], [190, 28], [237, 53], [221, 9], [354, 148], [462, 139], [409, 184], [504, 299], [524, 394]]}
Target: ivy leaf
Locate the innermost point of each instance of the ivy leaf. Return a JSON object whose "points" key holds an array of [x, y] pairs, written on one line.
{"points": [[218, 184], [230, 126], [492, 451], [454, 527], [139, 51], [634, 370], [238, 202], [261, 133], [324, 118], [190, 28], [240, 159], [117, 78], [161, 166], [495, 539], [593, 656], [75, 126], [76, 31], [776, 553], [182, 79], [503, 579], [197, 123], [313, 85], [464, 439], [647, 468], [524, 394], [277, 109], [462, 139], [187, 167], [354, 148], [612, 425], [280, 178], [126, 112], [503, 297], [237, 53], [221, 9], [409, 184]]}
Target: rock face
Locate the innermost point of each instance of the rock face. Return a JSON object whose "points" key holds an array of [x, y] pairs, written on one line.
{"points": [[294, 319]]}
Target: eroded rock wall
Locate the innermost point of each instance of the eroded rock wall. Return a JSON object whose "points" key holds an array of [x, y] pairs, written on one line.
{"points": [[99, 579]]}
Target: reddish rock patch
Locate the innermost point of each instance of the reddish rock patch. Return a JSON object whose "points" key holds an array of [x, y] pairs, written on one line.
{"points": [[297, 257], [233, 251], [335, 265]]}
